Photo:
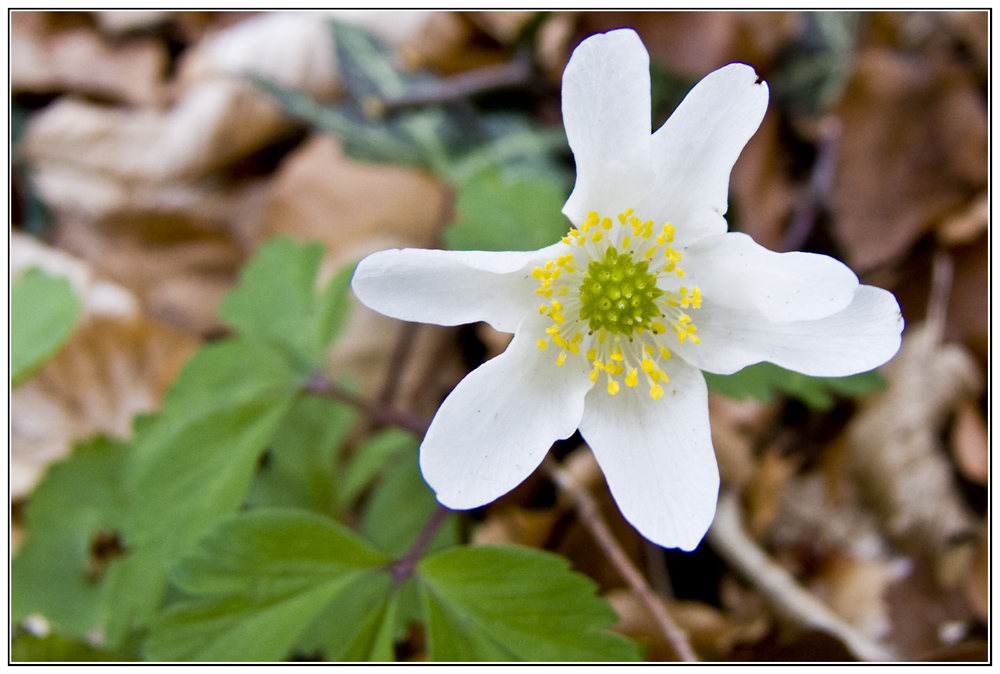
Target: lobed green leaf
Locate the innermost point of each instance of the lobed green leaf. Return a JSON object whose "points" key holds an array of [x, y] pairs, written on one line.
{"points": [[44, 311], [763, 380]]}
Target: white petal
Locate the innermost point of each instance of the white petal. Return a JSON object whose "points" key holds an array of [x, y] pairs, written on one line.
{"points": [[735, 271], [860, 338], [695, 149], [606, 110], [494, 429], [451, 287], [657, 456]]}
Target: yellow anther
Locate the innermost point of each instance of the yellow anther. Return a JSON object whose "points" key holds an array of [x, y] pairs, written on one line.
{"points": [[680, 272], [592, 354], [597, 236], [557, 317], [616, 354], [686, 302], [696, 297], [606, 223], [542, 344], [634, 221], [592, 217], [658, 328], [556, 272], [574, 232], [593, 375], [694, 338], [683, 319], [683, 289], [552, 329], [656, 391], [613, 387], [585, 227], [598, 365], [580, 240], [544, 292], [664, 353], [565, 239], [561, 359], [537, 273], [600, 337], [548, 265], [633, 378], [615, 368], [625, 242], [559, 341], [647, 365], [577, 338], [650, 350], [562, 290], [649, 253], [556, 304], [542, 309]]}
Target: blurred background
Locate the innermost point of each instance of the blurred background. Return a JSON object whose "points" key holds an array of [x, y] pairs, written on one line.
{"points": [[154, 151]]}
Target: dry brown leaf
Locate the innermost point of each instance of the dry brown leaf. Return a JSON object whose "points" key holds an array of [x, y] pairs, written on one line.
{"points": [[502, 26], [516, 526], [116, 364], [122, 22], [967, 225], [913, 151], [895, 451], [736, 430], [855, 588], [970, 443], [977, 581], [79, 60], [763, 494]]}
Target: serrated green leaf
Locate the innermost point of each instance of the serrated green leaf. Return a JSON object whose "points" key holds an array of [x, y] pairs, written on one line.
{"points": [[277, 301], [193, 463], [54, 648], [506, 603], [499, 212], [54, 573], [763, 380], [370, 458], [334, 638], [300, 468], [44, 311], [399, 507], [258, 582]]}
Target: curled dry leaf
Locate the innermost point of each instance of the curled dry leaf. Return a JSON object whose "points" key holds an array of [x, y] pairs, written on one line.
{"points": [[894, 447], [81, 61], [913, 151], [970, 443], [516, 526], [117, 364]]}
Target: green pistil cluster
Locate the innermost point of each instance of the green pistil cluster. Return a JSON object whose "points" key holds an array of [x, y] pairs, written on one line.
{"points": [[618, 294]]}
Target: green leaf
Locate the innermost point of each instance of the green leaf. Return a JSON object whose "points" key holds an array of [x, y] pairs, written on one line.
{"points": [[192, 464], [277, 301], [506, 603], [370, 458], [763, 380], [54, 648], [398, 509], [501, 212], [258, 582], [55, 573], [365, 64], [44, 311], [299, 470]]}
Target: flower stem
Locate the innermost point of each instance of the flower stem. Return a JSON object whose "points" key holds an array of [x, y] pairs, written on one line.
{"points": [[590, 514], [383, 414], [403, 567]]}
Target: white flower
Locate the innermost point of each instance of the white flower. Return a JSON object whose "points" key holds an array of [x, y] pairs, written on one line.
{"points": [[613, 324]]}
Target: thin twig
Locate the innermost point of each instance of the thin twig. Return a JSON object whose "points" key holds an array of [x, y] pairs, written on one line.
{"points": [[794, 602], [820, 182], [591, 517]]}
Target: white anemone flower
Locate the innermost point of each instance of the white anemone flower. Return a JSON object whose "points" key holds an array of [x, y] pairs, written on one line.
{"points": [[614, 323]]}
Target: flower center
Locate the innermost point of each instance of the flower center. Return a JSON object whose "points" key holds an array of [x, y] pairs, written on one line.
{"points": [[616, 310], [618, 294]]}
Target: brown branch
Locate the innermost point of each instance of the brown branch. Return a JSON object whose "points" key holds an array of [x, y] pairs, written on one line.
{"points": [[730, 539], [382, 414], [591, 517]]}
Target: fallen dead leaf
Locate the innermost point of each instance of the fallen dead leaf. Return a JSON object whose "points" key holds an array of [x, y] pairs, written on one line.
{"points": [[967, 225], [913, 151], [117, 364], [516, 526], [970, 443], [79, 60]]}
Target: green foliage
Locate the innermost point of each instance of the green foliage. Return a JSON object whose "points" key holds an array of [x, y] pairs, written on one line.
{"points": [[763, 380], [300, 468], [258, 582], [371, 458], [277, 303], [54, 648], [507, 603], [507, 212], [56, 572], [44, 311]]}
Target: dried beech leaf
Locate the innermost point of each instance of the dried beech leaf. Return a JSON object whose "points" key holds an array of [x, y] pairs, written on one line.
{"points": [[116, 365], [913, 150], [894, 447], [970, 443], [516, 526], [79, 60]]}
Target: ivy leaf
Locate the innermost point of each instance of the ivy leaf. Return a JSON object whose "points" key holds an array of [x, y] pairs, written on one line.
{"points": [[55, 572], [259, 581], [507, 212], [763, 380], [277, 301], [193, 463], [508, 603], [299, 470], [44, 311], [54, 648]]}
